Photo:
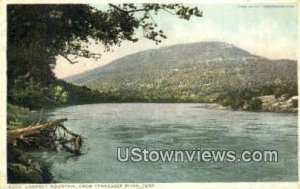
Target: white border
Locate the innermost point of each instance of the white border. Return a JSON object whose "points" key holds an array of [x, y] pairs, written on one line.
{"points": [[3, 180]]}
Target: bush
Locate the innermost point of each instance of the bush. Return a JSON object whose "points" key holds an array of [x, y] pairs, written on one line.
{"points": [[254, 104], [20, 117], [26, 92]]}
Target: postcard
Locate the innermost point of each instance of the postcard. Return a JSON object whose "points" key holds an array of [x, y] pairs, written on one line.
{"points": [[149, 94]]}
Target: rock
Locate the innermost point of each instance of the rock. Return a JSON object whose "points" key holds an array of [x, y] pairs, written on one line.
{"points": [[20, 173], [293, 101], [22, 169], [272, 104]]}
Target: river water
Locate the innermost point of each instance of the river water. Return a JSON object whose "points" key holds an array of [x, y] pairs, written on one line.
{"points": [[172, 127]]}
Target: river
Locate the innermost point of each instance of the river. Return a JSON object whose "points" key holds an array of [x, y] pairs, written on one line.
{"points": [[106, 127]]}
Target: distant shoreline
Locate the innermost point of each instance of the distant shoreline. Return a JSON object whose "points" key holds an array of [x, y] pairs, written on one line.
{"points": [[206, 106]]}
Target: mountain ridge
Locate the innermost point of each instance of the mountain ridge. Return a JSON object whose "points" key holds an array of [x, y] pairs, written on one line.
{"points": [[196, 72], [69, 78]]}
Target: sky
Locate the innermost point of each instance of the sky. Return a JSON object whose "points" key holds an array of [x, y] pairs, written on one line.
{"points": [[268, 31]]}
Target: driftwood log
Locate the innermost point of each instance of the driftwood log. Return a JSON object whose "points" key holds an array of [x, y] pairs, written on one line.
{"points": [[23, 132], [47, 135]]}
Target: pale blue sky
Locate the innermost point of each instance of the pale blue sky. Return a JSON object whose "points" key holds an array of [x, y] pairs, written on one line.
{"points": [[266, 31]]}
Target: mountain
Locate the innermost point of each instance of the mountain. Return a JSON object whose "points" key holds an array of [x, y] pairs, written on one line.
{"points": [[197, 72]]}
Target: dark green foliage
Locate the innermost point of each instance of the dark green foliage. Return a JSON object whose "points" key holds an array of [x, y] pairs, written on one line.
{"points": [[27, 93], [37, 34], [236, 98], [78, 94], [254, 104], [21, 117], [295, 103], [287, 89]]}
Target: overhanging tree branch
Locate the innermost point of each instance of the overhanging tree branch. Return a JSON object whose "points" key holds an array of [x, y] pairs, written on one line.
{"points": [[65, 56], [69, 60], [118, 8], [168, 11]]}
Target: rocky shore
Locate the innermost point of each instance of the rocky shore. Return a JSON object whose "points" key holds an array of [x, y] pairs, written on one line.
{"points": [[48, 136], [22, 169], [281, 104]]}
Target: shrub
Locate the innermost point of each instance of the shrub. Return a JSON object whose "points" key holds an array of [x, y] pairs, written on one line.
{"points": [[254, 104]]}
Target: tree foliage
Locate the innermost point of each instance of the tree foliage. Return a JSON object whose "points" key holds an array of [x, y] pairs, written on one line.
{"points": [[37, 34]]}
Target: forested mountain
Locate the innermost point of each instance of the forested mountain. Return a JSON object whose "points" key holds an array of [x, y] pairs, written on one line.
{"points": [[198, 72]]}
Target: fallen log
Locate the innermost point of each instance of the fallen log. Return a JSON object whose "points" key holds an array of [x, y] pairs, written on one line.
{"points": [[30, 130], [47, 135]]}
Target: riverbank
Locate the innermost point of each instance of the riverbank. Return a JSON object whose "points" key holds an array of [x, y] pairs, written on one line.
{"points": [[22, 169], [48, 136], [29, 131], [270, 103], [267, 103], [282, 105]]}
